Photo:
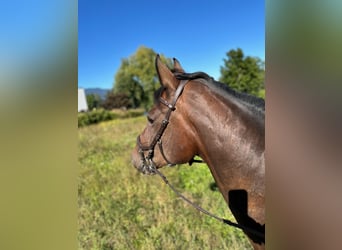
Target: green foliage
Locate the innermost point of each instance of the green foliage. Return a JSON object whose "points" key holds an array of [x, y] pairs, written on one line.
{"points": [[137, 77], [116, 100], [94, 116], [93, 101], [262, 93], [243, 73], [100, 115], [120, 208]]}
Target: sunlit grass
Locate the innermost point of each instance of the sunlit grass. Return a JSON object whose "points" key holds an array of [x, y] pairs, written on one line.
{"points": [[120, 208]]}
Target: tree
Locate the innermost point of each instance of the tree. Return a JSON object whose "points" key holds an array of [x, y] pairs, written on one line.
{"points": [[118, 100], [137, 77], [243, 73], [93, 101]]}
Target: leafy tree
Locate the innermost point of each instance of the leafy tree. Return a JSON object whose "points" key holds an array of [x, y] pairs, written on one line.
{"points": [[126, 83], [137, 77], [243, 73], [93, 101], [116, 100]]}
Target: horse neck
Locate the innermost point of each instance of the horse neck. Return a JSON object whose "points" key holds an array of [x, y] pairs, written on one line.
{"points": [[229, 138]]}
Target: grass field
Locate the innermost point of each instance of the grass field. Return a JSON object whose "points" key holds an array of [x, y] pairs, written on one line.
{"points": [[120, 208]]}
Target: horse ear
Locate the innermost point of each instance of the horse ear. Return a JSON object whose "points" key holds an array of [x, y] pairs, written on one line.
{"points": [[166, 77], [177, 66]]}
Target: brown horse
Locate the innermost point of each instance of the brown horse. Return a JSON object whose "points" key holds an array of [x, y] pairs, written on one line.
{"points": [[195, 115]]}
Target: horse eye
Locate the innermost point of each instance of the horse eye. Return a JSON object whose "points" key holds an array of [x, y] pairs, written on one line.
{"points": [[150, 120]]}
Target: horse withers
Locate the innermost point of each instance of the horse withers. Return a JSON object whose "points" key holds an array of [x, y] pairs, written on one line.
{"points": [[195, 115]]}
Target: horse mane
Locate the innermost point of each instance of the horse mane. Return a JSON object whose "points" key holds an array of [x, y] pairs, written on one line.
{"points": [[255, 103]]}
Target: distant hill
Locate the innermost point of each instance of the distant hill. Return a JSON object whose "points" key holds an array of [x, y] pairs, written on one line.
{"points": [[97, 91]]}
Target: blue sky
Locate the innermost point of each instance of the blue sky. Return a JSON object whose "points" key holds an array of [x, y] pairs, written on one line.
{"points": [[198, 33]]}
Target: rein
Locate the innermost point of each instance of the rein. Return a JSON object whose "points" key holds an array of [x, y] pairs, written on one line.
{"points": [[225, 221], [150, 167]]}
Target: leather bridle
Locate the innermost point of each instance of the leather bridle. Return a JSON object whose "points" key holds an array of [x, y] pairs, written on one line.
{"points": [[148, 164]]}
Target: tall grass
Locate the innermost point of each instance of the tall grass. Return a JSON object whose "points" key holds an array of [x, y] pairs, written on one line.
{"points": [[120, 208]]}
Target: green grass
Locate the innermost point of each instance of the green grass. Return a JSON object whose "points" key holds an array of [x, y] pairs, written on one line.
{"points": [[120, 208]]}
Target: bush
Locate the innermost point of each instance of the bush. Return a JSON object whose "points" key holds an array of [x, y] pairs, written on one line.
{"points": [[83, 119], [94, 117], [100, 115]]}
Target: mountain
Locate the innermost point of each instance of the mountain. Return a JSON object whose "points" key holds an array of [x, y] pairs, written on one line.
{"points": [[97, 91]]}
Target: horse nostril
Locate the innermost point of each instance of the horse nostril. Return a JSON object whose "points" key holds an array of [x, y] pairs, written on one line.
{"points": [[150, 120]]}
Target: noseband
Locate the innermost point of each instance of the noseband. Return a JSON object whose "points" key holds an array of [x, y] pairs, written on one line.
{"points": [[148, 164]]}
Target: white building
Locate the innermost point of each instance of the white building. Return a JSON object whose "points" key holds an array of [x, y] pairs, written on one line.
{"points": [[82, 101]]}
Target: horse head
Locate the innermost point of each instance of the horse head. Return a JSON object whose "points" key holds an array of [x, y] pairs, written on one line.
{"points": [[168, 138]]}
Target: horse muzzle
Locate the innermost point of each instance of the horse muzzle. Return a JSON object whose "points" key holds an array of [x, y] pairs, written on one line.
{"points": [[147, 168], [143, 163]]}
